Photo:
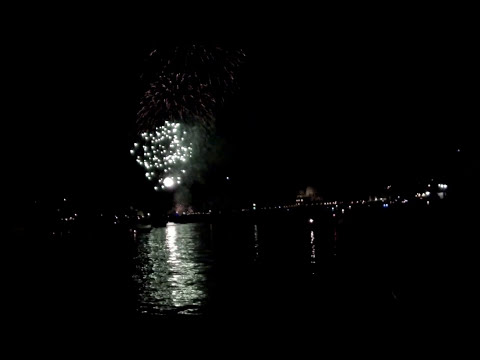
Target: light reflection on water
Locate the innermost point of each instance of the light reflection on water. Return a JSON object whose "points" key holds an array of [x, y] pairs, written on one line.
{"points": [[175, 272], [255, 239], [171, 270], [312, 255]]}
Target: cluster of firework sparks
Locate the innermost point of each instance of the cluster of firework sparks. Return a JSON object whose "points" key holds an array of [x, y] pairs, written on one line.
{"points": [[185, 85], [163, 154]]}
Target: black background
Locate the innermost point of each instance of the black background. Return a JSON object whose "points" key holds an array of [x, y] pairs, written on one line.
{"points": [[347, 103]]}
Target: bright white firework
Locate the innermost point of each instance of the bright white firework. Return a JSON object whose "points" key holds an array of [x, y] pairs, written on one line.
{"points": [[168, 182], [164, 153]]}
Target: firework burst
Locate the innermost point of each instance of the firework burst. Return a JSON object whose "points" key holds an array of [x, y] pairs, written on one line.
{"points": [[164, 154], [186, 84]]}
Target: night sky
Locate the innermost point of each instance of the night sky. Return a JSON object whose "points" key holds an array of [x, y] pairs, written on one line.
{"points": [[347, 110]]}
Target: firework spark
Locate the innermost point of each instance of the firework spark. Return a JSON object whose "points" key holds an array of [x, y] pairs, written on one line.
{"points": [[164, 153], [187, 84]]}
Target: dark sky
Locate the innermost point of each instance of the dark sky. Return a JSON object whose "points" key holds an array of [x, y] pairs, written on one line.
{"points": [[344, 109]]}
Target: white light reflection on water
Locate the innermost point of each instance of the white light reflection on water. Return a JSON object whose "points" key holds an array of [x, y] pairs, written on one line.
{"points": [[255, 237], [172, 271], [312, 255]]}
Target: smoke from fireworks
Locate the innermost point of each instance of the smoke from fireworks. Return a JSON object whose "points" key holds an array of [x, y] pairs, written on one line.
{"points": [[186, 84]]}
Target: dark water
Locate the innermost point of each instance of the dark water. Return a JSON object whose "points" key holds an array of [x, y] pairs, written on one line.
{"points": [[398, 266], [385, 265], [242, 269]]}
